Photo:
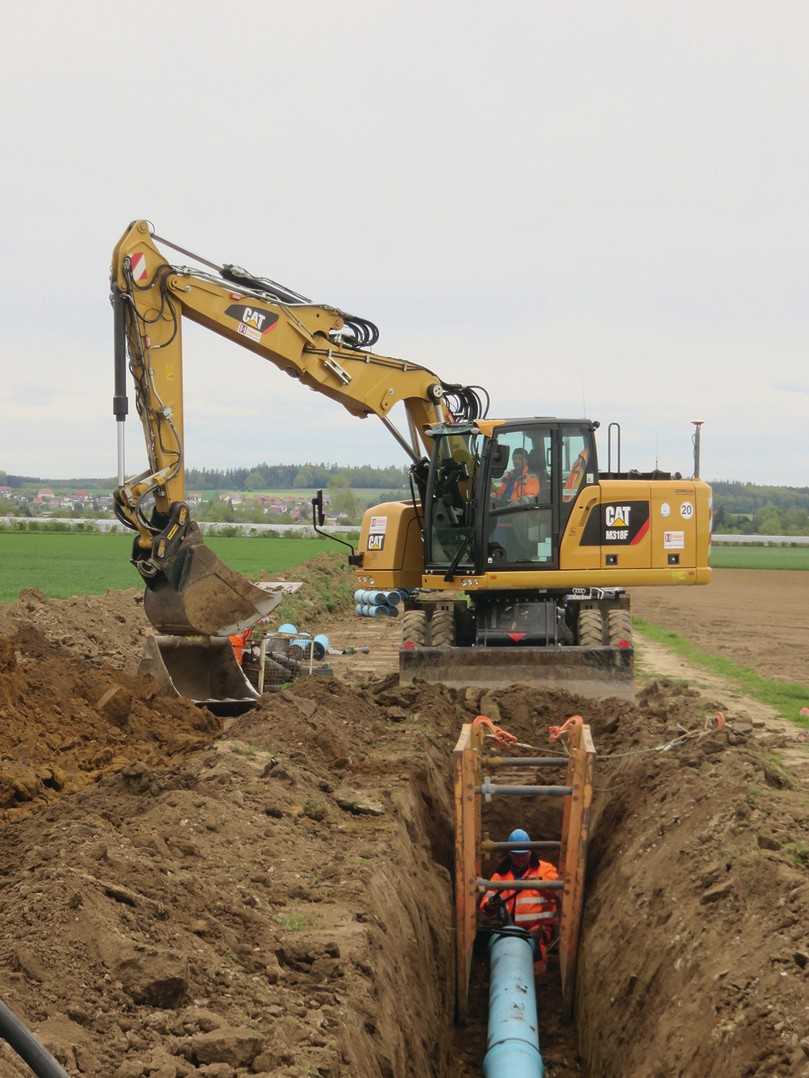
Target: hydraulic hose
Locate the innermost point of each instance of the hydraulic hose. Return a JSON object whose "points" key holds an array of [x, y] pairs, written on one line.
{"points": [[27, 1046]]}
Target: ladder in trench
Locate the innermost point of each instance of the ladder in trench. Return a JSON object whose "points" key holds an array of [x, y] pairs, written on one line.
{"points": [[470, 788]]}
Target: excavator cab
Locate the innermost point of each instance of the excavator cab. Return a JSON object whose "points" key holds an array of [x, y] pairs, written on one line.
{"points": [[501, 500], [497, 507]]}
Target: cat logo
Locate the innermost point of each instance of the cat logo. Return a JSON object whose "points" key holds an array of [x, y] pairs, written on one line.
{"points": [[376, 542], [616, 520], [253, 321]]}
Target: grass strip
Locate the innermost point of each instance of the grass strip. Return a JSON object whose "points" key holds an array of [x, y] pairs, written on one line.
{"points": [[759, 557], [785, 697], [61, 564]]}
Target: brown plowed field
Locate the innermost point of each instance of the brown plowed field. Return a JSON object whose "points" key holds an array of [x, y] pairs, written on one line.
{"points": [[757, 617]]}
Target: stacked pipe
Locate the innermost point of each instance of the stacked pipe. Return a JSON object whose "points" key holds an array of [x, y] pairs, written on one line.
{"points": [[370, 603]]}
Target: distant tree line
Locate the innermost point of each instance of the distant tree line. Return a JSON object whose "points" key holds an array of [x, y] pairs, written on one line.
{"points": [[753, 509], [297, 476]]}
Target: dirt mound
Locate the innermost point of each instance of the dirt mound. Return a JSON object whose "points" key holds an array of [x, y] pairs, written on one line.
{"points": [[261, 904], [695, 954], [103, 630], [63, 724], [328, 590]]}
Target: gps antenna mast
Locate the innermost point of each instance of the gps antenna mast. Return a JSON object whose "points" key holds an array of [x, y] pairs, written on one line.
{"points": [[697, 424]]}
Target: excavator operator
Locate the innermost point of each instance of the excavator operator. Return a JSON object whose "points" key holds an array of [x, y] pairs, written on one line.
{"points": [[519, 483], [535, 911]]}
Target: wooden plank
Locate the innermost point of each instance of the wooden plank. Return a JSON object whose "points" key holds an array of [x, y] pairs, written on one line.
{"points": [[471, 859], [575, 863], [461, 919], [569, 781]]}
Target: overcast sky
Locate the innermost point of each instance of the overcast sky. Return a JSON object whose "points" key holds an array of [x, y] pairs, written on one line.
{"points": [[587, 206]]}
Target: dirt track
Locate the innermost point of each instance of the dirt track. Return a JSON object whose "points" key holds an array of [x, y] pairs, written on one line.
{"points": [[758, 618], [181, 899]]}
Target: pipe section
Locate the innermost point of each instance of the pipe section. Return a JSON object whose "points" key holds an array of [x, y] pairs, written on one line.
{"points": [[490, 789], [25, 1044], [512, 1044], [520, 885]]}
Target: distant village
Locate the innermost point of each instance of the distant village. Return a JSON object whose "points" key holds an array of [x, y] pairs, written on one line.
{"points": [[46, 502], [224, 507]]}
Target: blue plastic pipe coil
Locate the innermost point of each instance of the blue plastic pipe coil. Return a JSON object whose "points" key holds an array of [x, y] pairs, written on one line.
{"points": [[512, 1046]]}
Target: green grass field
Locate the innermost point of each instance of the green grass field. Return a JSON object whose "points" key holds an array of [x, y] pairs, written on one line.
{"points": [[786, 697], [61, 564], [759, 557]]}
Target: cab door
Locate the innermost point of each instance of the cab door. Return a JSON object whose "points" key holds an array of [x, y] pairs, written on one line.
{"points": [[521, 523], [580, 495]]}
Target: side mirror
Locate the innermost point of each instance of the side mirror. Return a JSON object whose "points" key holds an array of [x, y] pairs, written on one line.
{"points": [[318, 515], [499, 464]]}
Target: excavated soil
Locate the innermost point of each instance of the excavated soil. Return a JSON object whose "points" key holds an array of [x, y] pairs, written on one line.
{"points": [[756, 617], [108, 630], [271, 895]]}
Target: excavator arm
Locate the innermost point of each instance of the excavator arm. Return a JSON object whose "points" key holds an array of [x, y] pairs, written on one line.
{"points": [[188, 590]]}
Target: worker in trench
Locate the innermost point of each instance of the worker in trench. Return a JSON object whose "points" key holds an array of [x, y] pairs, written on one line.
{"points": [[535, 911]]}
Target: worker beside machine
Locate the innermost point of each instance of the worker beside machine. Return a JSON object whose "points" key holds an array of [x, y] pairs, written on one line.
{"points": [[534, 911]]}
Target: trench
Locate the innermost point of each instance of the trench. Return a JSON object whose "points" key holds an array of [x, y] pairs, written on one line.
{"points": [[648, 936], [442, 1049], [600, 1038]]}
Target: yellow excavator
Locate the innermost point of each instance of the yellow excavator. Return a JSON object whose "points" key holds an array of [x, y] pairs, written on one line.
{"points": [[512, 556]]}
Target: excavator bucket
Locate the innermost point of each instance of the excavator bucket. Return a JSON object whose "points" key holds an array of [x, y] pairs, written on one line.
{"points": [[196, 604], [201, 669], [594, 672], [198, 595]]}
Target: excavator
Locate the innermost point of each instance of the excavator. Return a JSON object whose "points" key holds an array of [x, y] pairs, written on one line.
{"points": [[513, 553]]}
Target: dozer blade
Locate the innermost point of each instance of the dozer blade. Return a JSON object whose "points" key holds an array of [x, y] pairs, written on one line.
{"points": [[202, 669], [591, 672], [198, 595]]}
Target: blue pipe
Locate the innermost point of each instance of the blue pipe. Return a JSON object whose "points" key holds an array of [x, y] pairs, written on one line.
{"points": [[512, 1047], [368, 610]]}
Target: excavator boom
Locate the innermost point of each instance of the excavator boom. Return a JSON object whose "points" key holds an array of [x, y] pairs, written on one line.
{"points": [[189, 590]]}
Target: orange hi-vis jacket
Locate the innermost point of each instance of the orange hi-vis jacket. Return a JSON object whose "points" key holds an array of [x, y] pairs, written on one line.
{"points": [[524, 485], [532, 910]]}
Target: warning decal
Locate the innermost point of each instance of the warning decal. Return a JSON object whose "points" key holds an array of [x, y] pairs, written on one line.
{"points": [[137, 265]]}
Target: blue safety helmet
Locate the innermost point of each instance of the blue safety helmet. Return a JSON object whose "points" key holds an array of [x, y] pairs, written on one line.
{"points": [[518, 835]]}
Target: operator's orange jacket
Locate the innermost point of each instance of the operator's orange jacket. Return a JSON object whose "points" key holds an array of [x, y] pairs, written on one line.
{"points": [[533, 910], [516, 486]]}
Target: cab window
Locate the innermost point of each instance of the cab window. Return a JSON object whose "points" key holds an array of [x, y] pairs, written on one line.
{"points": [[452, 531], [577, 466], [520, 498]]}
